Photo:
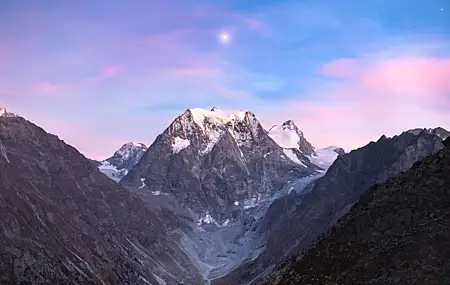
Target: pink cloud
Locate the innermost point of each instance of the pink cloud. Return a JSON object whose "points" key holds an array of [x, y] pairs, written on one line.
{"points": [[405, 75], [372, 97], [45, 87], [110, 71], [196, 71]]}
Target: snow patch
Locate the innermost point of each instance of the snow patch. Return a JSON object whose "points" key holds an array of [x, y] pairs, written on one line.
{"points": [[110, 170], [143, 183], [284, 136], [159, 279], [224, 224], [324, 157], [3, 152], [236, 203], [292, 156], [216, 116], [180, 144], [207, 219]]}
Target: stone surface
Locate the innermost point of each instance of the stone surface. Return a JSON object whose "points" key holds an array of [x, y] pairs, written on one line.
{"points": [[398, 233], [292, 223], [63, 222]]}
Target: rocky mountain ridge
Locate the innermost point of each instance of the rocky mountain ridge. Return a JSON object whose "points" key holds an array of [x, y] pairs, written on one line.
{"points": [[123, 160], [398, 233], [298, 218], [64, 222]]}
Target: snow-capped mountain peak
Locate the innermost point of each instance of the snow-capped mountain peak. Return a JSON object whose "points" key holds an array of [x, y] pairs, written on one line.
{"points": [[288, 135], [123, 160], [204, 127], [5, 113], [216, 116]]}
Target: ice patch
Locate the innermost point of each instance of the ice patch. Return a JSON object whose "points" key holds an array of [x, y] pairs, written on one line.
{"points": [[180, 144], [292, 156], [324, 157], [110, 170]]}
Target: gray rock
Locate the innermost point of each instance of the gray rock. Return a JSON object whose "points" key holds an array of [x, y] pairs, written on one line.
{"points": [[310, 214], [398, 233], [64, 222]]}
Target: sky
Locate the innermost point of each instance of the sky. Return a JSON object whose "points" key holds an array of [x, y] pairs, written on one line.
{"points": [[102, 73]]}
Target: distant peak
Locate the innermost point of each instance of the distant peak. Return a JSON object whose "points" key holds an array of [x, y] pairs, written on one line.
{"points": [[289, 123], [213, 109], [5, 113], [133, 145]]}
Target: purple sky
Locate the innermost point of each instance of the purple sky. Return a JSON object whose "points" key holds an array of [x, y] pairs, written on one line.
{"points": [[99, 75]]}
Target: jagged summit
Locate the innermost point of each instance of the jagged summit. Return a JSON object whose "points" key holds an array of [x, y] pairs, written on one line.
{"points": [[5, 113], [216, 116], [289, 136], [439, 131], [123, 160]]}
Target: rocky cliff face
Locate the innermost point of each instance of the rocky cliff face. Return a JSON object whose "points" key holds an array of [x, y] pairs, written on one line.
{"points": [[64, 222], [123, 160], [398, 233], [291, 223], [215, 162]]}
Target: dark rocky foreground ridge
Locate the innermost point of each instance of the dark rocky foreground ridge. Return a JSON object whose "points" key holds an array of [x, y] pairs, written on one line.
{"points": [[293, 222], [63, 222], [398, 233]]}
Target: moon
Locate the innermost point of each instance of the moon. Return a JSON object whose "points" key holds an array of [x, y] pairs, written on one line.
{"points": [[224, 37]]}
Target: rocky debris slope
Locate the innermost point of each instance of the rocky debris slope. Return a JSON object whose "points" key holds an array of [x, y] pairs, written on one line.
{"points": [[63, 222], [123, 160], [292, 222], [398, 233], [215, 163]]}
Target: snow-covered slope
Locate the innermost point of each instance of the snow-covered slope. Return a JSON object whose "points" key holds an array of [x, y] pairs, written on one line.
{"points": [[299, 150], [288, 135], [325, 157], [123, 160]]}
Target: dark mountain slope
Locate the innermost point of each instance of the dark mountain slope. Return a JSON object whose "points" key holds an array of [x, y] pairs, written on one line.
{"points": [[398, 233], [64, 222], [293, 223]]}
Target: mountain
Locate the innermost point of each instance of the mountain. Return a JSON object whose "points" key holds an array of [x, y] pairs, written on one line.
{"points": [[296, 146], [123, 160], [5, 113], [215, 162], [441, 132], [289, 136], [300, 217], [64, 222], [398, 233]]}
